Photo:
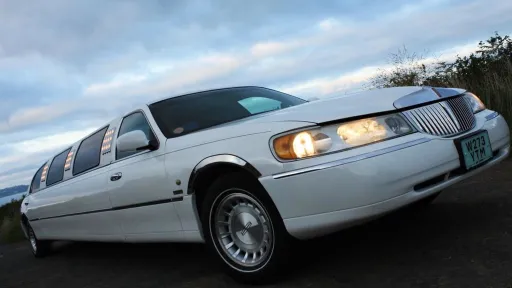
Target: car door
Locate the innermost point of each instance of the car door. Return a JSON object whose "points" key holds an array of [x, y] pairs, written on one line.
{"points": [[74, 203], [139, 187]]}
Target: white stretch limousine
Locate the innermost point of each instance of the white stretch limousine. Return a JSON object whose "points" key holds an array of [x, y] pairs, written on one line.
{"points": [[247, 169]]}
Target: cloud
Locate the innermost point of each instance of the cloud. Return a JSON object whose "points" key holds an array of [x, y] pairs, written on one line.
{"points": [[66, 67], [23, 150], [353, 80], [321, 87], [16, 178], [23, 158], [349, 46], [50, 142], [328, 24], [76, 33], [35, 115]]}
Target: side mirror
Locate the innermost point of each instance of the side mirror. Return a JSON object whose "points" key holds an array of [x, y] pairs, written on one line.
{"points": [[134, 141]]}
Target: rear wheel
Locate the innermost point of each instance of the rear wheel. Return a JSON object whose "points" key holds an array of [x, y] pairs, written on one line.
{"points": [[244, 229], [39, 248]]}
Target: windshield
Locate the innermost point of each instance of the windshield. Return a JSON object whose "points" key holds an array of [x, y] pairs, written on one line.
{"points": [[189, 113]]}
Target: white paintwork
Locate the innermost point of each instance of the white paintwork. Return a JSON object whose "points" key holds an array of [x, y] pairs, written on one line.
{"points": [[144, 179], [338, 107], [132, 141], [311, 204], [321, 224], [353, 190], [88, 194]]}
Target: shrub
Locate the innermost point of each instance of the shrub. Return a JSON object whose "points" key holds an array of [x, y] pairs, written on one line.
{"points": [[10, 230], [487, 72]]}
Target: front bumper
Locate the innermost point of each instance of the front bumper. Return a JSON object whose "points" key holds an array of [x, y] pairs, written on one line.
{"points": [[340, 190]]}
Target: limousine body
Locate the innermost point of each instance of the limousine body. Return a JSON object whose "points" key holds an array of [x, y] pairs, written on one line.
{"points": [[248, 169]]}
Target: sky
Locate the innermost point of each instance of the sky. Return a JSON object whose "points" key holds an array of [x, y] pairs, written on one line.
{"points": [[67, 67]]}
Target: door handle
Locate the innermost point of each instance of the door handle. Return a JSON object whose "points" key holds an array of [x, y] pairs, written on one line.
{"points": [[116, 176]]}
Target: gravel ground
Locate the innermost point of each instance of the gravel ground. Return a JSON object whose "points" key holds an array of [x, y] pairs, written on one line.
{"points": [[464, 239]]}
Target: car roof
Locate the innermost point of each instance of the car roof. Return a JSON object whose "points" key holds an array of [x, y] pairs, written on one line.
{"points": [[204, 90], [139, 107]]}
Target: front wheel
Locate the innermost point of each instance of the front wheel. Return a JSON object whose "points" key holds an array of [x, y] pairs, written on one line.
{"points": [[244, 229]]}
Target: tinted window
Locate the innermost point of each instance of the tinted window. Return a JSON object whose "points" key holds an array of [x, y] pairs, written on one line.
{"points": [[189, 113], [56, 172], [36, 182], [88, 154], [257, 105], [132, 122]]}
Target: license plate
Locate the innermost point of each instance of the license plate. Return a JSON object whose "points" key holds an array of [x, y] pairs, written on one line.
{"points": [[475, 150]]}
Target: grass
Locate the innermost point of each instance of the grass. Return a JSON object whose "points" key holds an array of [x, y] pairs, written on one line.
{"points": [[494, 87], [487, 72], [10, 230]]}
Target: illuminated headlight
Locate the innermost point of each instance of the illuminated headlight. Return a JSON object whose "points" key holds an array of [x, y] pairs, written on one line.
{"points": [[475, 102], [337, 137]]}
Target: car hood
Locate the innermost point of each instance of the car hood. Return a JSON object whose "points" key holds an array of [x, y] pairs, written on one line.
{"points": [[357, 104]]}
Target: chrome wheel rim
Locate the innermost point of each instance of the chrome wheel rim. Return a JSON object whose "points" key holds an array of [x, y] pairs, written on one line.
{"points": [[243, 229], [32, 238]]}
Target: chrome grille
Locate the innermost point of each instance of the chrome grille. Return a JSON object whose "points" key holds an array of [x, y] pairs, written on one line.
{"points": [[445, 118]]}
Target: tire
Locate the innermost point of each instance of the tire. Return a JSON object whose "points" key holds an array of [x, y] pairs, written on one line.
{"points": [[239, 200], [425, 202], [40, 248]]}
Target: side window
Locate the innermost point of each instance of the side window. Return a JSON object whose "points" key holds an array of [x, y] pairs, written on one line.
{"points": [[132, 122], [260, 104], [56, 171], [88, 154], [36, 182]]}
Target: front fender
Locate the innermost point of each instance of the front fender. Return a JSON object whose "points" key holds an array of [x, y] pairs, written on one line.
{"points": [[184, 156], [220, 159]]}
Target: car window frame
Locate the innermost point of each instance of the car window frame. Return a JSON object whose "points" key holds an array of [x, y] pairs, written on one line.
{"points": [[166, 133], [31, 190], [63, 171], [73, 175], [142, 151]]}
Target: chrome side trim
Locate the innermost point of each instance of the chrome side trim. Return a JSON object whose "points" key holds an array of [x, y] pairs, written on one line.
{"points": [[347, 160], [426, 95], [492, 116], [131, 206], [219, 159]]}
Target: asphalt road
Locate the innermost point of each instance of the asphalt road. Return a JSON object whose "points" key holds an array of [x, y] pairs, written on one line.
{"points": [[464, 239]]}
